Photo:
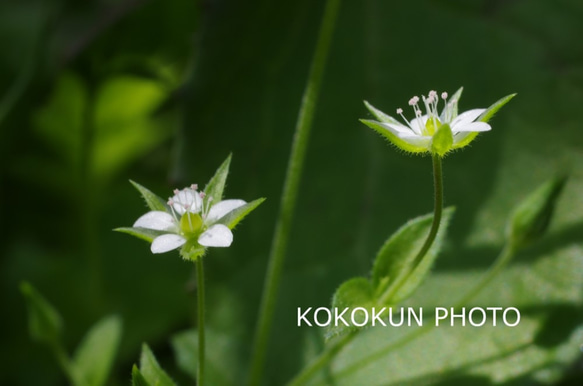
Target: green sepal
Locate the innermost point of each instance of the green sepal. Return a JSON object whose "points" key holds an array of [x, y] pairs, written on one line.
{"points": [[355, 292], [95, 355], [484, 117], [398, 142], [137, 377], [235, 216], [442, 140], [214, 188], [44, 322], [141, 233], [192, 250], [531, 218], [151, 371], [451, 108], [153, 201], [395, 257], [490, 111], [378, 114]]}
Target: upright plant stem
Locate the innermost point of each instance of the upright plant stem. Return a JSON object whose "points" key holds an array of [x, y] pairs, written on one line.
{"points": [[290, 191], [329, 354], [201, 341]]}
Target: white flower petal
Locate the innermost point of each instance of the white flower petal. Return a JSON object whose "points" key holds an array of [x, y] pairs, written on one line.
{"points": [[222, 208], [416, 140], [472, 127], [167, 243], [187, 200], [216, 236], [396, 128], [156, 220], [418, 124], [466, 117]]}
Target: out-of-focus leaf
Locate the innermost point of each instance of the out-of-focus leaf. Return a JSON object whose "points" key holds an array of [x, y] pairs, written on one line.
{"points": [[137, 377], [153, 201], [95, 355], [151, 370], [532, 216], [222, 363], [44, 322]]}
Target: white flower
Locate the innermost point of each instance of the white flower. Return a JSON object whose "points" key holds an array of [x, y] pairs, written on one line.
{"points": [[192, 219], [420, 135]]}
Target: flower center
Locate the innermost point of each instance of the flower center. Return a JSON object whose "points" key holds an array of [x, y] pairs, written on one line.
{"points": [[191, 224], [433, 123]]}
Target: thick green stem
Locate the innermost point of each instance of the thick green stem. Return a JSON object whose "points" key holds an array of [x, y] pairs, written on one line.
{"points": [[329, 354], [290, 191], [201, 340]]}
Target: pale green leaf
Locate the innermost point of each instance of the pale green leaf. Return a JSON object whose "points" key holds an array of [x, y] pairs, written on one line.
{"points": [[95, 355], [153, 201]]}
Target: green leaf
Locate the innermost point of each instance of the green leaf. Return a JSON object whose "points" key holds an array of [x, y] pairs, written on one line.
{"points": [[531, 219], [378, 127], [214, 188], [151, 370], [356, 292], [393, 261], [95, 355], [232, 218], [442, 140], [137, 378], [142, 233], [153, 201], [44, 322]]}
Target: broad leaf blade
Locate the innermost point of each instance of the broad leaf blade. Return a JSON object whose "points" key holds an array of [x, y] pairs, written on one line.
{"points": [[95, 355], [142, 233], [214, 188], [400, 250], [44, 322], [232, 218], [356, 292], [153, 201], [151, 370]]}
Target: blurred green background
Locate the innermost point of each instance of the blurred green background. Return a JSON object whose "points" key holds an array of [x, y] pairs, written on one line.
{"points": [[95, 93]]}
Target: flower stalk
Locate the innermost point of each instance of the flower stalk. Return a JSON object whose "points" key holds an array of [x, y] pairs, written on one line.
{"points": [[201, 330]]}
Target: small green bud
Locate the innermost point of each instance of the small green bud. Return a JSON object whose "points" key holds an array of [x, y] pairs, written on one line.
{"points": [[531, 219]]}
